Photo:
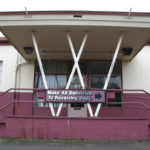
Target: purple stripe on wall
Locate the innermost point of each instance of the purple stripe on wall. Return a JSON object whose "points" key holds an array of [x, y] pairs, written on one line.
{"points": [[124, 123], [4, 41], [87, 129]]}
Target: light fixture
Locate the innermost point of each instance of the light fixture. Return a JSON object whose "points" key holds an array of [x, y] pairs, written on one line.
{"points": [[28, 50], [127, 50]]}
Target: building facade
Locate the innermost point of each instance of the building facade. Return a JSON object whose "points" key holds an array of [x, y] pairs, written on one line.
{"points": [[81, 53]]}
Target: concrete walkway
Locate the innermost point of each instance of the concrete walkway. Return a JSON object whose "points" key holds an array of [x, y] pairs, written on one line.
{"points": [[17, 144]]}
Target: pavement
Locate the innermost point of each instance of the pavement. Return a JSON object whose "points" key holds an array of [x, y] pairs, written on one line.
{"points": [[30, 144]]}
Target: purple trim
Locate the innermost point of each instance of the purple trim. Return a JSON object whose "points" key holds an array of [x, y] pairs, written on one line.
{"points": [[124, 123], [4, 41], [21, 89], [80, 118], [141, 103], [129, 90], [76, 13], [76, 129], [138, 98], [148, 44]]}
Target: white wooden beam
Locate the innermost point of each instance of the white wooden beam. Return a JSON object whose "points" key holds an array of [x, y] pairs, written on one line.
{"points": [[76, 66], [42, 70], [110, 71]]}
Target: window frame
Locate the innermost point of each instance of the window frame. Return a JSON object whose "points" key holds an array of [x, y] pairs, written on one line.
{"points": [[87, 75]]}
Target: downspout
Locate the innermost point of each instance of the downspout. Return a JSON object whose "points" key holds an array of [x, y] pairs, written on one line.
{"points": [[17, 72]]}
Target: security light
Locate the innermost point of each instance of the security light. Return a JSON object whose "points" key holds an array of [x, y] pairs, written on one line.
{"points": [[28, 50], [127, 51]]}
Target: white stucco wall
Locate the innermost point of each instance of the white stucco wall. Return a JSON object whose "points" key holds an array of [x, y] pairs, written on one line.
{"points": [[8, 56], [25, 74], [136, 73]]}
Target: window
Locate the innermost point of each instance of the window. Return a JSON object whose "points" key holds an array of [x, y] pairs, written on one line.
{"points": [[94, 75], [102, 67], [83, 67], [97, 76], [55, 67], [75, 84], [1, 65], [56, 76], [97, 81], [98, 72], [115, 82], [53, 81]]}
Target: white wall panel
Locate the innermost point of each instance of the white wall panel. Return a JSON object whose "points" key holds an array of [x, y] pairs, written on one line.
{"points": [[25, 74], [136, 73]]}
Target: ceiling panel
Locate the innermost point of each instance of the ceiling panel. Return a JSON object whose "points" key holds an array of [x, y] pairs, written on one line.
{"points": [[53, 44]]}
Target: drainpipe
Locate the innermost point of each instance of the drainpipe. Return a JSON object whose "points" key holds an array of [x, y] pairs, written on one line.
{"points": [[17, 72]]}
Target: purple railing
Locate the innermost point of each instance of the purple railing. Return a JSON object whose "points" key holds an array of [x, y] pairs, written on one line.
{"points": [[131, 90], [22, 89], [107, 91]]}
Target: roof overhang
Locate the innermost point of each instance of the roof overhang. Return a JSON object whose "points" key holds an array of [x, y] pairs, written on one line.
{"points": [[50, 29]]}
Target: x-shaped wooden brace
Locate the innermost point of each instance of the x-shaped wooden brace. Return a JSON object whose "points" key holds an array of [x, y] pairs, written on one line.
{"points": [[76, 66]]}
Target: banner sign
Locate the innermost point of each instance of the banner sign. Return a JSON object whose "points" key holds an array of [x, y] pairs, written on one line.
{"points": [[69, 96]]}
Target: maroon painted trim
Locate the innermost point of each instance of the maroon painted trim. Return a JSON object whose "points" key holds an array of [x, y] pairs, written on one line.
{"points": [[134, 107], [138, 98], [132, 90], [109, 90], [148, 44], [4, 41], [75, 12], [21, 89], [14, 101], [141, 103], [79, 118], [42, 89]]}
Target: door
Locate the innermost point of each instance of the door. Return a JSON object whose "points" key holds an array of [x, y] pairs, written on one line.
{"points": [[77, 109]]}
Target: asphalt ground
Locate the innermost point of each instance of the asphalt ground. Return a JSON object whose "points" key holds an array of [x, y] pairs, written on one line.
{"points": [[23, 144]]}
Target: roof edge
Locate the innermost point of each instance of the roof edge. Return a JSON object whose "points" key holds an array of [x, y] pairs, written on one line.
{"points": [[75, 12]]}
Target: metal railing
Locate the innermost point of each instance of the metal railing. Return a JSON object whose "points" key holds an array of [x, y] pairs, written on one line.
{"points": [[145, 106]]}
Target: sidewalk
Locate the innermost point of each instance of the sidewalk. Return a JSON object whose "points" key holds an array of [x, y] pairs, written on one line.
{"points": [[19, 144]]}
